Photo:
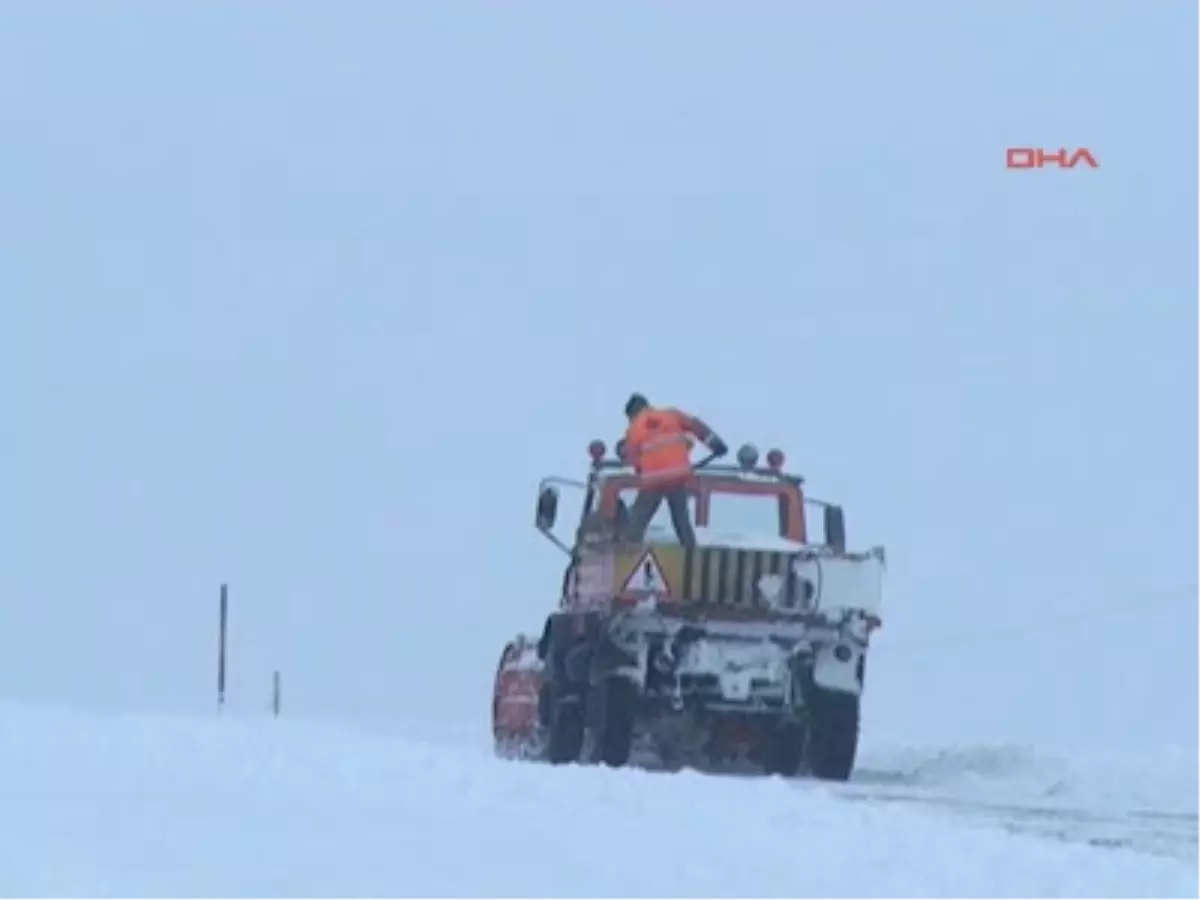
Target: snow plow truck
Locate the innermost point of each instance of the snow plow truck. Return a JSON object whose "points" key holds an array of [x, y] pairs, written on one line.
{"points": [[744, 651]]}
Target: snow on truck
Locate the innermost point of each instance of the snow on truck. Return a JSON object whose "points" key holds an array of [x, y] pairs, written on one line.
{"points": [[746, 648]]}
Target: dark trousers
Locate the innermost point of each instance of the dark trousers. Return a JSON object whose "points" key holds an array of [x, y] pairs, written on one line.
{"points": [[646, 505]]}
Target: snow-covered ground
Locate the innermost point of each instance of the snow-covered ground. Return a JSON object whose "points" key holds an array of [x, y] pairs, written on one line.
{"points": [[142, 805], [315, 320]]}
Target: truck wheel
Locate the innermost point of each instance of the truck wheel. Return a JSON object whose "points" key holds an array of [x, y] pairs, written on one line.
{"points": [[832, 739], [784, 750], [565, 738], [614, 714], [566, 698]]}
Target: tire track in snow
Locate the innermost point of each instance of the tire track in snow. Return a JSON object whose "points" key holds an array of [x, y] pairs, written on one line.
{"points": [[1117, 803]]}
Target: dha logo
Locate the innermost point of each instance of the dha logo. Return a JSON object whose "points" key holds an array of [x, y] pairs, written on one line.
{"points": [[1037, 158]]}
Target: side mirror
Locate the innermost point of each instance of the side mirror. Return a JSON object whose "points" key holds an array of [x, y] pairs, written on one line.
{"points": [[835, 528], [547, 509]]}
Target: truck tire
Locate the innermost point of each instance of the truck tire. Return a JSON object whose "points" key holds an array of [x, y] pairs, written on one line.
{"points": [[614, 711], [784, 751], [567, 694], [564, 739], [832, 734]]}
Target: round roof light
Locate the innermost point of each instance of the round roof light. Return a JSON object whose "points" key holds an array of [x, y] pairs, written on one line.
{"points": [[747, 456]]}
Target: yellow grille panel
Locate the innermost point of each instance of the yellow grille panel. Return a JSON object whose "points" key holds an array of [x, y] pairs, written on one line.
{"points": [[708, 576]]}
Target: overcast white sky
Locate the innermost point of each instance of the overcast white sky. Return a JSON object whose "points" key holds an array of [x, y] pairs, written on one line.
{"points": [[305, 297]]}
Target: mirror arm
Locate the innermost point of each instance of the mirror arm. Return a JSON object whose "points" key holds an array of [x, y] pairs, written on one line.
{"points": [[556, 541]]}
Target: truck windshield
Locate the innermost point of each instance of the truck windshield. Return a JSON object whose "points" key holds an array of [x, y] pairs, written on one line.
{"points": [[746, 514], [660, 529], [728, 514]]}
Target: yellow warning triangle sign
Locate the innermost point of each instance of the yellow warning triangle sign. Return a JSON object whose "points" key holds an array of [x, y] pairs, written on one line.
{"points": [[647, 576]]}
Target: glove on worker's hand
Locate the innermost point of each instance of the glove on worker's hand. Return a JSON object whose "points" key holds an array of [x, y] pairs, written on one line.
{"points": [[717, 446]]}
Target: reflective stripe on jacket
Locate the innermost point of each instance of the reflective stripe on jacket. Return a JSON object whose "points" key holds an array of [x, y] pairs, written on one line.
{"points": [[659, 442]]}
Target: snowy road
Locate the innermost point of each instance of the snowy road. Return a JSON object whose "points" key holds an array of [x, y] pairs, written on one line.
{"points": [[135, 806], [1147, 805], [1150, 831]]}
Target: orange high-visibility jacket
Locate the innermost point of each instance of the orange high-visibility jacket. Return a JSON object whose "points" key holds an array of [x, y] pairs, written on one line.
{"points": [[658, 443]]}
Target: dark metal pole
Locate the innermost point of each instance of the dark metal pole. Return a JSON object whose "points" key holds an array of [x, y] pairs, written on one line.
{"points": [[275, 693], [223, 627]]}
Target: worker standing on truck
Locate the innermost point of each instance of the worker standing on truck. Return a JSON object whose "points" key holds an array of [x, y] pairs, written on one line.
{"points": [[658, 444]]}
